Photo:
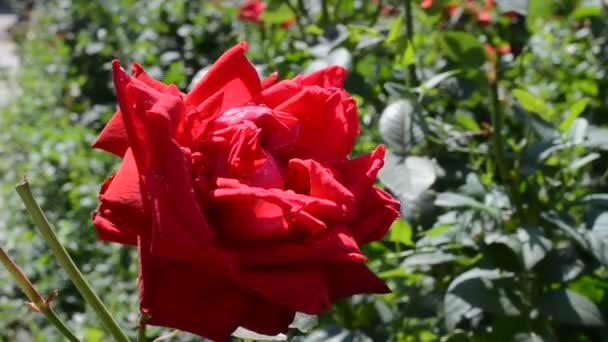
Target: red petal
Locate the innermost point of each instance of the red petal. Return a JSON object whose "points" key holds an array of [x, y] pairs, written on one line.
{"points": [[347, 279], [311, 178], [113, 138], [378, 211], [265, 317], [330, 245], [233, 74], [187, 298], [271, 80], [331, 76], [328, 125], [121, 213]]}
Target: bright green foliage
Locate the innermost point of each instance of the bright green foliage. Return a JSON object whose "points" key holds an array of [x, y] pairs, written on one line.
{"points": [[479, 254]]}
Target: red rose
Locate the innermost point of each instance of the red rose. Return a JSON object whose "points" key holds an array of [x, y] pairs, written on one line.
{"points": [[251, 11], [241, 197], [426, 3]]}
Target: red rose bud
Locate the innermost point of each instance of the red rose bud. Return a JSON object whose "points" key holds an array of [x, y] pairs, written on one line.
{"points": [[251, 10], [426, 3], [287, 23], [483, 17], [241, 196]]}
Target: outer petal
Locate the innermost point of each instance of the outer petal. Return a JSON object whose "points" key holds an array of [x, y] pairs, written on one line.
{"points": [[233, 74], [121, 213], [188, 298], [113, 138], [332, 76], [266, 317], [347, 279], [378, 211]]}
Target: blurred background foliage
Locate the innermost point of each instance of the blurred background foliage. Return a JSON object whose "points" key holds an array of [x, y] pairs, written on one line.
{"points": [[495, 114]]}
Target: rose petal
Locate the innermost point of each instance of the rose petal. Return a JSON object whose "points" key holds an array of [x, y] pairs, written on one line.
{"points": [[255, 214], [311, 178], [347, 279], [113, 138], [121, 212], [331, 76], [271, 80], [265, 317], [327, 129], [378, 211], [330, 245], [187, 298], [233, 74]]}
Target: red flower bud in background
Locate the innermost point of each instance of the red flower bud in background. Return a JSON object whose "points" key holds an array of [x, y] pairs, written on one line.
{"points": [[251, 10]]}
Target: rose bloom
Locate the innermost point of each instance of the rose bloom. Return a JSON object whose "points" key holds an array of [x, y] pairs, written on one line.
{"points": [[241, 196], [251, 10]]}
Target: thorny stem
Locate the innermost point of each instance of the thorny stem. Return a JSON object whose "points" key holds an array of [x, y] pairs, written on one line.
{"points": [[67, 263], [38, 303]]}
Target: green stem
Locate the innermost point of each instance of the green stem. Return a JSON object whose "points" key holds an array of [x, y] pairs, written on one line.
{"points": [[324, 12], [498, 149], [141, 327], [409, 32], [33, 295], [67, 263]]}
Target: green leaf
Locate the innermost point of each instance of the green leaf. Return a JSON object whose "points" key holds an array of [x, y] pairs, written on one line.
{"points": [[435, 81], [586, 12], [534, 246], [567, 306], [532, 103], [560, 265], [277, 15], [538, 11], [402, 124], [304, 322], [401, 232], [575, 110], [456, 200], [597, 238], [407, 177], [408, 57], [246, 334], [529, 337], [488, 290], [503, 251], [466, 122], [395, 30], [427, 259], [463, 49]]}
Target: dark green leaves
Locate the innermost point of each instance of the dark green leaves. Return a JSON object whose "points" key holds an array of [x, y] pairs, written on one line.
{"points": [[462, 48], [402, 124], [481, 290], [570, 307]]}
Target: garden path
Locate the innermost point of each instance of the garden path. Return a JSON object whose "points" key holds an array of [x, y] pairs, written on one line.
{"points": [[8, 57]]}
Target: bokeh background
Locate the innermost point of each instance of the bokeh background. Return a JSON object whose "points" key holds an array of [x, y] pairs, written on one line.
{"points": [[495, 114]]}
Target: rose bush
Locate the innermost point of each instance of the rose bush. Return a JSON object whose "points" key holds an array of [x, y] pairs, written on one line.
{"points": [[241, 197]]}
